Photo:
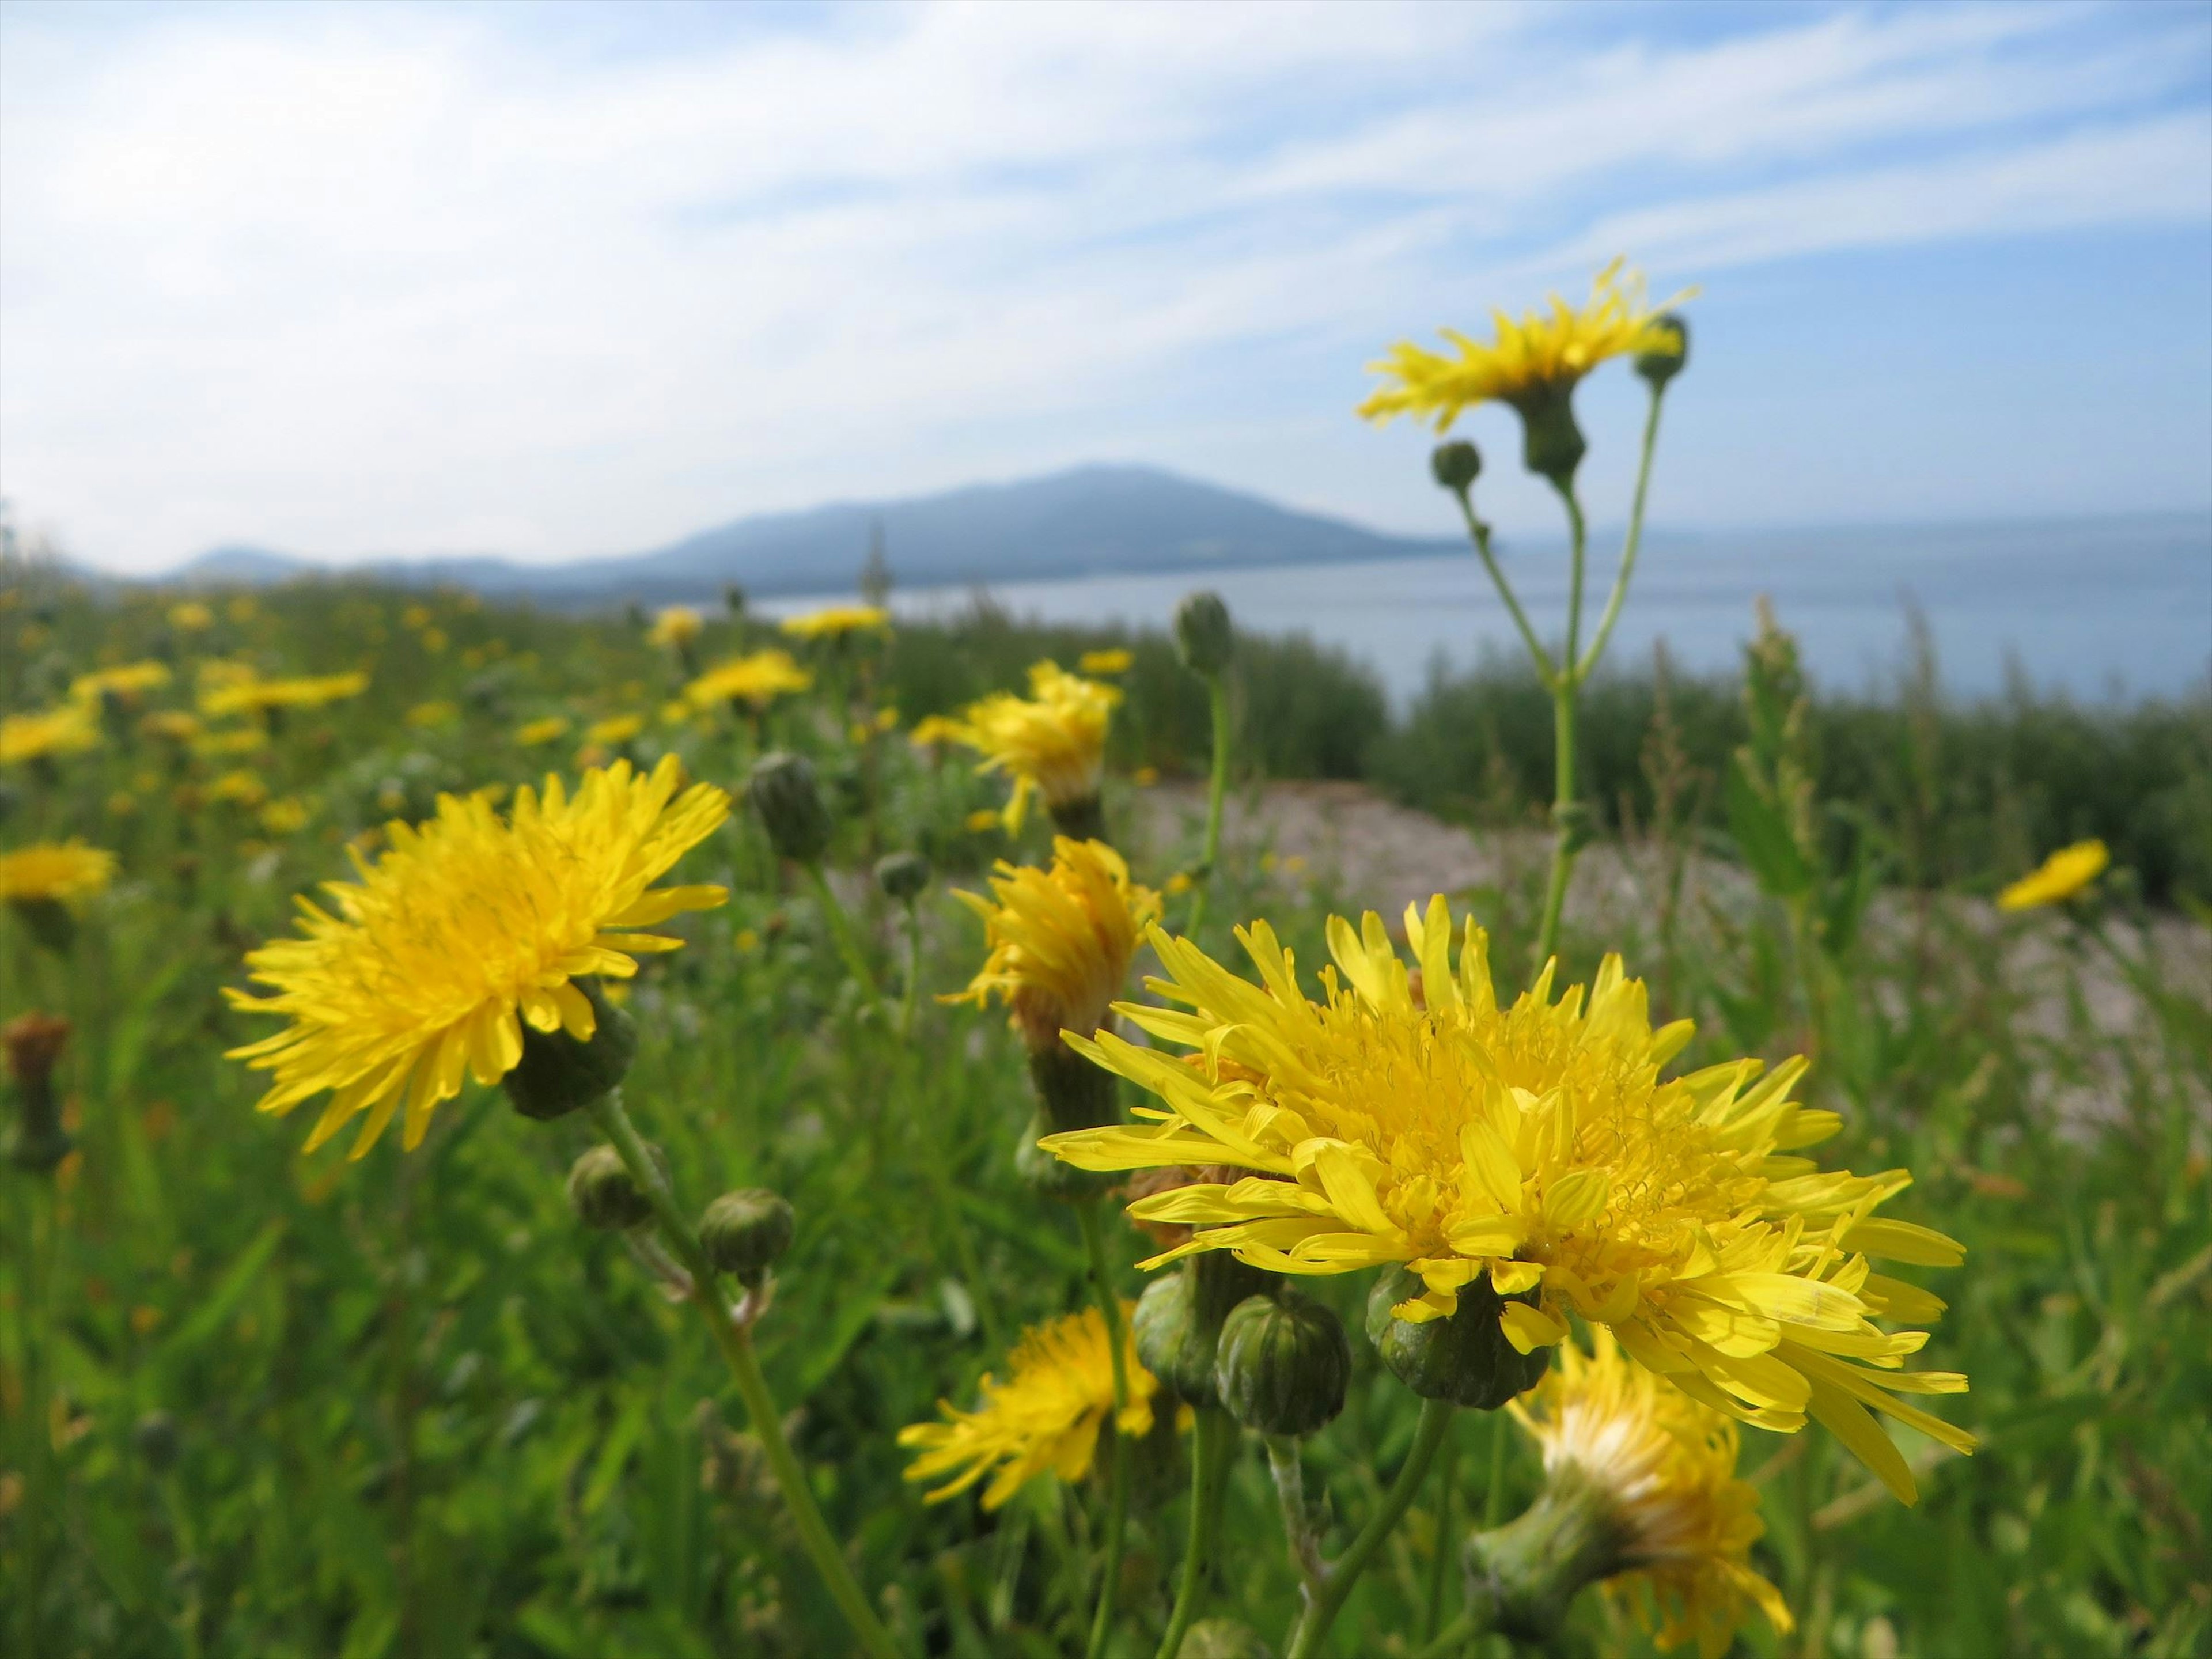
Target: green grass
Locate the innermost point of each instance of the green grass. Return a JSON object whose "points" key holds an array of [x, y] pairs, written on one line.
{"points": [[416, 1410]]}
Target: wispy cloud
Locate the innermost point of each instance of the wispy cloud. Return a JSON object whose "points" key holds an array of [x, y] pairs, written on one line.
{"points": [[350, 280]]}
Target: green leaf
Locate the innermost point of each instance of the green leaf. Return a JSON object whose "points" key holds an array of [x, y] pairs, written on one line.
{"points": [[1762, 834]]}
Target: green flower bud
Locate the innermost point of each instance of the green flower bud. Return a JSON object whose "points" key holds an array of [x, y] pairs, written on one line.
{"points": [[1178, 1323], [1203, 634], [36, 1142], [1074, 1093], [604, 1195], [747, 1232], [1465, 1359], [1523, 1577], [557, 1074], [903, 876], [1551, 443], [733, 599], [1457, 465], [1661, 362], [1282, 1365], [1045, 1174], [784, 791], [1222, 1638], [154, 1436]]}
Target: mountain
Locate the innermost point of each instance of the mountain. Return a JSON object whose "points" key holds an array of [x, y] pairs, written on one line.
{"points": [[1090, 520]]}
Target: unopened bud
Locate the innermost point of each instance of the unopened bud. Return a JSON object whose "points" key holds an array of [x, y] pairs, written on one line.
{"points": [[1551, 443], [558, 1073], [1457, 465], [1178, 1323], [786, 793], [36, 1141], [1203, 634], [903, 876], [747, 1232], [1047, 1177], [1667, 353], [1523, 1577], [1283, 1364], [733, 599], [1464, 1359], [605, 1195]]}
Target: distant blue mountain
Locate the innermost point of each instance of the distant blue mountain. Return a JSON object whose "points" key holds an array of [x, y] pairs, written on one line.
{"points": [[1092, 521]]}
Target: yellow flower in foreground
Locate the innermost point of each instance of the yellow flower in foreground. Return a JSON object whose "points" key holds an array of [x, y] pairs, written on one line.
{"points": [[1047, 1417], [677, 626], [837, 621], [1052, 743], [1665, 1468], [191, 617], [2059, 877], [1530, 362], [530, 734], [127, 680], [468, 926], [1114, 661], [52, 871], [1060, 939], [1536, 1147], [306, 691], [64, 731], [757, 679]]}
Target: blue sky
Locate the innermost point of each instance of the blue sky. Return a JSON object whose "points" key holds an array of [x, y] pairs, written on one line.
{"points": [[553, 281]]}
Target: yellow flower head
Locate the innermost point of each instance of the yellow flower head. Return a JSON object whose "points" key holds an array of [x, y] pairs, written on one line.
{"points": [[2059, 877], [757, 678], [1531, 362], [677, 626], [427, 715], [127, 680], [1115, 661], [1046, 1417], [837, 622], [615, 729], [934, 732], [244, 787], [51, 871], [64, 731], [239, 740], [1666, 1466], [467, 926], [1052, 743], [285, 816], [1537, 1146], [307, 691], [530, 734], [1060, 939], [172, 723], [191, 617]]}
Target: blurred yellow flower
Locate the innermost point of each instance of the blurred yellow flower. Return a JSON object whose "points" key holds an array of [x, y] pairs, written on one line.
{"points": [[415, 616], [122, 804], [55, 871], [837, 621], [746, 942], [1114, 661], [67, 730], [172, 723], [433, 713], [285, 816], [433, 639], [306, 691], [933, 731], [469, 927], [755, 678], [191, 617], [673, 713], [1052, 743], [1530, 362], [1536, 1148], [615, 729], [1048, 1417], [126, 681], [678, 625], [2062, 876], [239, 740], [1181, 882], [1145, 776], [243, 608], [244, 787], [530, 734], [887, 720], [984, 819]]}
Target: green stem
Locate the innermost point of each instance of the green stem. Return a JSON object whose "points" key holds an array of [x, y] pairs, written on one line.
{"points": [[1630, 544], [36, 1455], [1433, 1614], [911, 1005], [1212, 1440], [1479, 533], [736, 1343], [1217, 791], [1345, 1574], [841, 929], [1450, 1640], [1493, 1500], [1117, 1502], [1565, 687]]}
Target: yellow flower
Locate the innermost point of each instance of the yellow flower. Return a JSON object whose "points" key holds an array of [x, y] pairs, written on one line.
{"points": [[745, 942], [52, 871], [191, 617], [677, 626], [617, 728], [2059, 877], [244, 787], [1531, 362], [126, 681], [1116, 661], [427, 714], [64, 731], [307, 691], [469, 925], [243, 608], [1666, 1469], [886, 720], [837, 621], [933, 731], [1052, 743], [433, 639], [173, 724], [287, 815], [1145, 776], [674, 713], [984, 819], [757, 679], [244, 740], [1047, 1417], [415, 616], [1060, 939], [1535, 1145], [530, 734], [1179, 883]]}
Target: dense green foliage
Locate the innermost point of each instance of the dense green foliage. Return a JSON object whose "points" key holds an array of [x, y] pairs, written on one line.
{"points": [[409, 1406]]}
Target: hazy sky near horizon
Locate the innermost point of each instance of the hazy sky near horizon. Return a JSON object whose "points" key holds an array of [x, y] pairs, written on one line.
{"points": [[558, 280]]}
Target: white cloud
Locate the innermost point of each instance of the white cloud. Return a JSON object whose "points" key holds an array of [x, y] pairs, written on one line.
{"points": [[377, 279]]}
